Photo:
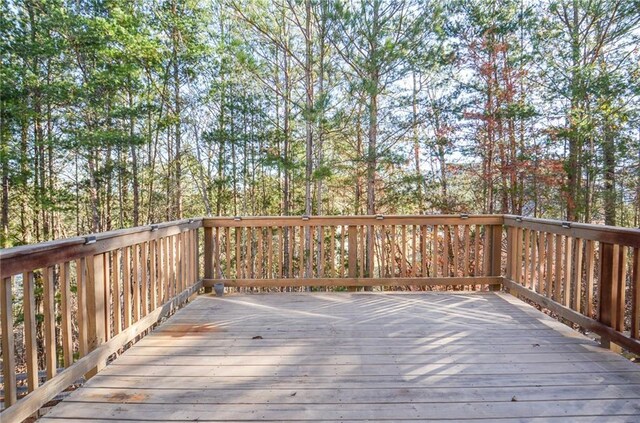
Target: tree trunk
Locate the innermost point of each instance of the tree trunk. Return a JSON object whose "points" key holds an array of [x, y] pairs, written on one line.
{"points": [[178, 125]]}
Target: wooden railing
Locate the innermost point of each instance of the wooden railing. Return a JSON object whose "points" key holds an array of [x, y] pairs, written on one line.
{"points": [[586, 274], [353, 251], [113, 285]]}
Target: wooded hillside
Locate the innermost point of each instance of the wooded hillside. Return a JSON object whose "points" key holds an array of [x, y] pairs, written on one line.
{"points": [[117, 113]]}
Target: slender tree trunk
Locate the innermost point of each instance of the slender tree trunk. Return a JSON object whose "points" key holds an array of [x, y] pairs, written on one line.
{"points": [[609, 168], [572, 166], [416, 143], [4, 155], [178, 111], [309, 112], [134, 163]]}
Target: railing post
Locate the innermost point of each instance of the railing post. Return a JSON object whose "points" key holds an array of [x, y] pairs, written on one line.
{"points": [[96, 307], [609, 289], [208, 256], [495, 253]]}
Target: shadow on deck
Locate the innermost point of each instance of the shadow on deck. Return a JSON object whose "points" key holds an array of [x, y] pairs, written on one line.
{"points": [[472, 356]]}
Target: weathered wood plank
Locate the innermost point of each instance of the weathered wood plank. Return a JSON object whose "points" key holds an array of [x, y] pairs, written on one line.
{"points": [[48, 306], [358, 281], [31, 345], [65, 314]]}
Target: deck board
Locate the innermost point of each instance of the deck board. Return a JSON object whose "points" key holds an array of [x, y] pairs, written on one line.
{"points": [[360, 357]]}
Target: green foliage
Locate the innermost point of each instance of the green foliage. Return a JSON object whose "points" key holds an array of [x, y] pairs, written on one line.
{"points": [[112, 110]]}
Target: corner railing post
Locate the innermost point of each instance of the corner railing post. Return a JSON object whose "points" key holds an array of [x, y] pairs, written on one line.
{"points": [[495, 254], [208, 256], [609, 290]]}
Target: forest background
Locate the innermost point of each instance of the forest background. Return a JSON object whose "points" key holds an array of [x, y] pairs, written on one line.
{"points": [[120, 113]]}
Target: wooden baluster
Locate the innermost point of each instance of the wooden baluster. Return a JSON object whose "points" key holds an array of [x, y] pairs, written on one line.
{"points": [[280, 252], [549, 275], [534, 259], [136, 282], [48, 302], [227, 245], [187, 258], [511, 252], [527, 256], [83, 321], [310, 256], [568, 256], [383, 251], [184, 254], [362, 250], [519, 248], [495, 253], [558, 272], [353, 253], [403, 249], [321, 264], [414, 249], [65, 313], [8, 353], [476, 254], [115, 292], [259, 250], [153, 269], [577, 296], [163, 270], [179, 262], [434, 253], [249, 254], [196, 256], [622, 289], [107, 295], [371, 245], [291, 249], [590, 262], [423, 251], [30, 341], [456, 247], [447, 233], [486, 265], [343, 233], [212, 238], [332, 252], [608, 289], [95, 307], [635, 295], [301, 270], [172, 267], [392, 254], [144, 286], [467, 248], [541, 262], [269, 273]]}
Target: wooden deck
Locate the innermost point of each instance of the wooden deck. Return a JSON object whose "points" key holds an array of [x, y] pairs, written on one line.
{"points": [[360, 357]]}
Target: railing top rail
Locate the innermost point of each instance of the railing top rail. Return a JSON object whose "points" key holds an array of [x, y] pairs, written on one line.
{"points": [[28, 257], [442, 219], [609, 234]]}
